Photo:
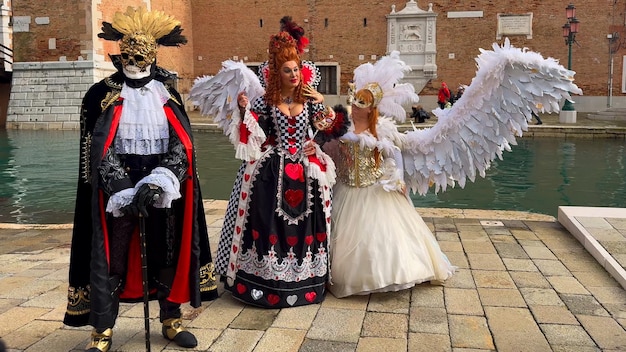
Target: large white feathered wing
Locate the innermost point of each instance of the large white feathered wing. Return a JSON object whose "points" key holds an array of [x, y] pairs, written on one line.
{"points": [[217, 95], [495, 109]]}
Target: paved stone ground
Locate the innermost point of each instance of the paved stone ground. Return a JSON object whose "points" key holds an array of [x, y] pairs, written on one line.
{"points": [[602, 231], [524, 284]]}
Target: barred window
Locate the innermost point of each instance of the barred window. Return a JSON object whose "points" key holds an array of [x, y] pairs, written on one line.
{"points": [[328, 83]]}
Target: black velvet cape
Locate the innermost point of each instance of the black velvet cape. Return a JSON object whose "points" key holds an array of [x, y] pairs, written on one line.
{"points": [[88, 276]]}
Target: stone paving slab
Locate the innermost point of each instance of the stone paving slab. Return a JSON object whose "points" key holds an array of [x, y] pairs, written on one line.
{"points": [[602, 232], [526, 282]]}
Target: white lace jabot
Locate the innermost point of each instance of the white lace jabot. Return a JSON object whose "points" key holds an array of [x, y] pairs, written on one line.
{"points": [[143, 127]]}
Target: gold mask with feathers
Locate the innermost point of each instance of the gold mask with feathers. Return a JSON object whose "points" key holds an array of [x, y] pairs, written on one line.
{"points": [[140, 32]]}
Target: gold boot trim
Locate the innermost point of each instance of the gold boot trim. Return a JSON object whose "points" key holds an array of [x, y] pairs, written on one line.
{"points": [[101, 341], [172, 327]]}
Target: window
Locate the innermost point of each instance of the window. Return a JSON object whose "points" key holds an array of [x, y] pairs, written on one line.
{"points": [[254, 67], [328, 81], [172, 81]]}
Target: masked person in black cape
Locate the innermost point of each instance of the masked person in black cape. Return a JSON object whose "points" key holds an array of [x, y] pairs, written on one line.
{"points": [[137, 159]]}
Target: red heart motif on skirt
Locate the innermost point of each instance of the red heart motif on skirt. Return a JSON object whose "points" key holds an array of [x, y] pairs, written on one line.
{"points": [[244, 195], [291, 130], [238, 229], [246, 177], [310, 296], [295, 171], [327, 203], [240, 212], [234, 248], [273, 299], [232, 266], [241, 288], [292, 150], [292, 240], [273, 239], [255, 235], [328, 220], [308, 239], [294, 197], [291, 141], [321, 236]]}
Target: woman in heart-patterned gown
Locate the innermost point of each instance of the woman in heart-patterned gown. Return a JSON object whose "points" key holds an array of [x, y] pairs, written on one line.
{"points": [[273, 249]]}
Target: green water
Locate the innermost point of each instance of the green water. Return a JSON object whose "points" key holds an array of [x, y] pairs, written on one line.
{"points": [[38, 175]]}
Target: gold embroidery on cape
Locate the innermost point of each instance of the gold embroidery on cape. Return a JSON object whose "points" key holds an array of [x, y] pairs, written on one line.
{"points": [[78, 301], [208, 281], [85, 155], [109, 99], [175, 100], [111, 83], [172, 95]]}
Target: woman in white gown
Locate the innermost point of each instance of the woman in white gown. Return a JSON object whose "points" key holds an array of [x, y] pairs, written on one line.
{"points": [[379, 242]]}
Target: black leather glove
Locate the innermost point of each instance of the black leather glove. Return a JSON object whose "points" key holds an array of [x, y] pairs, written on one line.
{"points": [[130, 210], [146, 195]]}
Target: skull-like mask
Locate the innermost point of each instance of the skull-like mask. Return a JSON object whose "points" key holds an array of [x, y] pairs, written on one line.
{"points": [[138, 54]]}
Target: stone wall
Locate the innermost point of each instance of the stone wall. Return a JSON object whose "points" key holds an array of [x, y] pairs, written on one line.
{"points": [[48, 95]]}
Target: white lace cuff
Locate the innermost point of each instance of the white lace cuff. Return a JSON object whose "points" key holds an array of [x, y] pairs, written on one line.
{"points": [[119, 200], [251, 150], [161, 177], [168, 182], [325, 178]]}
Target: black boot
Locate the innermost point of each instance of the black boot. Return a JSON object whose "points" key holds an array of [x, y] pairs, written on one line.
{"points": [[173, 330], [170, 314], [100, 341]]}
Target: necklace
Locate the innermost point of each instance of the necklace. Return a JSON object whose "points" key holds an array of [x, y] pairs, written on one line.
{"points": [[287, 100]]}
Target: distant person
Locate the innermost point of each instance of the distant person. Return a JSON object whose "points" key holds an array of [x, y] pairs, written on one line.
{"points": [[539, 122], [459, 93], [443, 96], [419, 115]]}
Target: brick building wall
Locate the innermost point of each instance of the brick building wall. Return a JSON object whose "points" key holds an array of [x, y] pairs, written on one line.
{"points": [[48, 20], [338, 33], [342, 32], [464, 36]]}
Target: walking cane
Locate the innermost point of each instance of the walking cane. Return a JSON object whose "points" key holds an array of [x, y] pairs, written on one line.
{"points": [[144, 279]]}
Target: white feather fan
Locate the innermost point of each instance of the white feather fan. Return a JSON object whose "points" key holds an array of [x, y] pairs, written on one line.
{"points": [[217, 95], [494, 109]]}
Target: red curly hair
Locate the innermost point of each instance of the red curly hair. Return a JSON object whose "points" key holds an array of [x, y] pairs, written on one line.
{"points": [[282, 48], [366, 96]]}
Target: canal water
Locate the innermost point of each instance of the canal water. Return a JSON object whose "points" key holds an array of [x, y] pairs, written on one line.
{"points": [[38, 175]]}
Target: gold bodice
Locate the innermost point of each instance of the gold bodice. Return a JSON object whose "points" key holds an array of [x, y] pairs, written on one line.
{"points": [[356, 167]]}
